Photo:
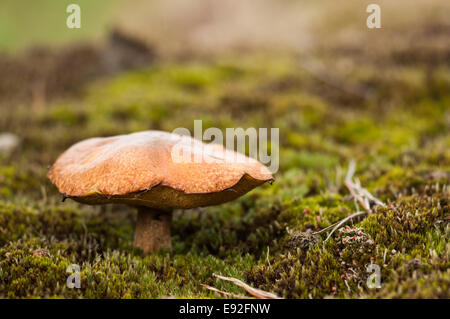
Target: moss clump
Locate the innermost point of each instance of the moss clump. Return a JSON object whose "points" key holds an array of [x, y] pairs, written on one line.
{"points": [[408, 240]]}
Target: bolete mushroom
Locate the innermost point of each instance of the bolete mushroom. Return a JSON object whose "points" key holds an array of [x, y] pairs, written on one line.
{"points": [[140, 170]]}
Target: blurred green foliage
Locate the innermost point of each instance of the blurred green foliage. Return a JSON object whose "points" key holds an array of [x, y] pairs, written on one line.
{"points": [[27, 23]]}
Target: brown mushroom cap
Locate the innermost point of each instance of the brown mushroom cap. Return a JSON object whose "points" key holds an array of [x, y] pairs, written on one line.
{"points": [[138, 169]]}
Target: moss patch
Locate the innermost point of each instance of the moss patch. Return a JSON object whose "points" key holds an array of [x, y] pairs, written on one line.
{"points": [[399, 138]]}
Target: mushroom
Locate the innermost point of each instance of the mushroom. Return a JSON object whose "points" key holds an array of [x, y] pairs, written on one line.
{"points": [[143, 170]]}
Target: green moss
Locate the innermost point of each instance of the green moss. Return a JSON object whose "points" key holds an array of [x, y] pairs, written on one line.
{"points": [[308, 160], [399, 139], [357, 131], [14, 180], [62, 114], [413, 229]]}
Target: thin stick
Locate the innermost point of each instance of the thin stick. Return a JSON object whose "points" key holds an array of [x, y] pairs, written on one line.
{"points": [[372, 198], [326, 228], [339, 222], [343, 221], [357, 197], [258, 293], [352, 187], [225, 293], [359, 194]]}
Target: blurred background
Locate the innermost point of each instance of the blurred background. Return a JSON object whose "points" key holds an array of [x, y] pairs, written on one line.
{"points": [[177, 28], [336, 89], [117, 35], [226, 62]]}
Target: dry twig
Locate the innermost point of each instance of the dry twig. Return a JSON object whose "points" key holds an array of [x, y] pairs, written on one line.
{"points": [[225, 293], [359, 194], [362, 195], [258, 293]]}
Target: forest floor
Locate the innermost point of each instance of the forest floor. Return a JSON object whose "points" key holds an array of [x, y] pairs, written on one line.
{"points": [[390, 114]]}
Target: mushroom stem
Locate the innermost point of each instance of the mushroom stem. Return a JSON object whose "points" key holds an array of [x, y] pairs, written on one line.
{"points": [[152, 230]]}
